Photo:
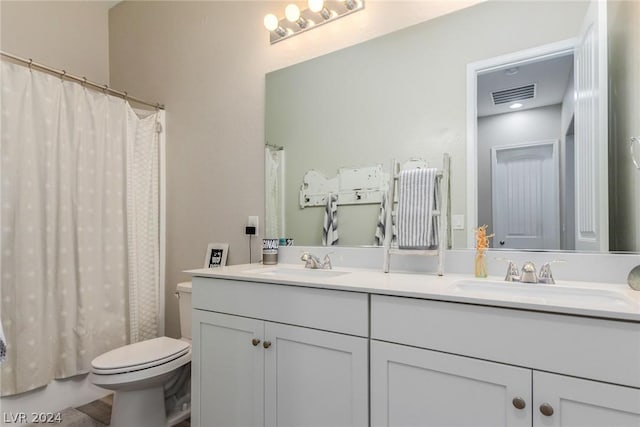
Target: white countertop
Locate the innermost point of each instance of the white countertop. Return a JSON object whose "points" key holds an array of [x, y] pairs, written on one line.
{"points": [[611, 301]]}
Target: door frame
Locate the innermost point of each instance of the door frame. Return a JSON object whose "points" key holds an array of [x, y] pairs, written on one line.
{"points": [[555, 146], [547, 51]]}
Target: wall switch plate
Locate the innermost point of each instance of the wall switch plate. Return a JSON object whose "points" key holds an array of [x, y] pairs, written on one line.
{"points": [[457, 222], [252, 221]]}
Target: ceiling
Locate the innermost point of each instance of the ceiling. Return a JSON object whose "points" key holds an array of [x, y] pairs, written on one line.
{"points": [[550, 76]]}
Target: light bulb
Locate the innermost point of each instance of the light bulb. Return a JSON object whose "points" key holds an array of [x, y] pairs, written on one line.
{"points": [[292, 12], [271, 22], [316, 5], [515, 105]]}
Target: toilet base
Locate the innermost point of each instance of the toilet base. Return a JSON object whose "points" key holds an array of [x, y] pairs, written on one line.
{"points": [[140, 408]]}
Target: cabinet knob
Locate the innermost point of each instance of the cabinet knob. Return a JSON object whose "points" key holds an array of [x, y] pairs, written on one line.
{"points": [[519, 403], [255, 341], [266, 344], [546, 409]]}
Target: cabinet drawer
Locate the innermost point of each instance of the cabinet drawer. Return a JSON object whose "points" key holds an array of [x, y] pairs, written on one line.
{"points": [[336, 311], [599, 349]]}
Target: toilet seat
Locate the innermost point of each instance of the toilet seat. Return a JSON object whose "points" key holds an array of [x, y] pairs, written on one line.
{"points": [[141, 355]]}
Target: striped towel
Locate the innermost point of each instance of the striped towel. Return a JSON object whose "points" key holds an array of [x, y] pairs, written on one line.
{"points": [[382, 221], [416, 203], [330, 224], [3, 345]]}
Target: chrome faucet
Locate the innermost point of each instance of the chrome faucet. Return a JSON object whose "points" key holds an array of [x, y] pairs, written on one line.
{"points": [[312, 261], [528, 273]]}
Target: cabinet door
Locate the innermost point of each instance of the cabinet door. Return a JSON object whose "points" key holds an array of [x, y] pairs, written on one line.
{"points": [[583, 403], [227, 371], [417, 387], [315, 378]]}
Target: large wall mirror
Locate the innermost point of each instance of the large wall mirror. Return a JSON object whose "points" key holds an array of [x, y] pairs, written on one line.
{"points": [[404, 95]]}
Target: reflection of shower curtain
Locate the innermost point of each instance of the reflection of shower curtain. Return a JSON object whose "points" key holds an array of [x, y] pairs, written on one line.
{"points": [[274, 192], [68, 159]]}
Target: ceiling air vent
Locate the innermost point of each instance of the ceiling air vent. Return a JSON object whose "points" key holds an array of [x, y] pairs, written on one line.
{"points": [[513, 94]]}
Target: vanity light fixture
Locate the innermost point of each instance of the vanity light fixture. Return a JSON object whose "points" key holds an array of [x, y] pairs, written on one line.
{"points": [[271, 23], [292, 13], [515, 105], [351, 4], [319, 12], [317, 6]]}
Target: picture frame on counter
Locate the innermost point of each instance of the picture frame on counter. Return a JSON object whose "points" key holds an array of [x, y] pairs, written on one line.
{"points": [[216, 255]]}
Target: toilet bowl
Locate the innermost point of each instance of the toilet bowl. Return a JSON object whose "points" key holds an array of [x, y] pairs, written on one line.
{"points": [[138, 373]]}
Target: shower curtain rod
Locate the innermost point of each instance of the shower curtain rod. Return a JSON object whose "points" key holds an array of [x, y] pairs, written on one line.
{"points": [[83, 80]]}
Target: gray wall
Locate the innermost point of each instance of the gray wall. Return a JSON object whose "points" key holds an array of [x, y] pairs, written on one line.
{"points": [[69, 35], [399, 96], [624, 122], [207, 62], [532, 125]]}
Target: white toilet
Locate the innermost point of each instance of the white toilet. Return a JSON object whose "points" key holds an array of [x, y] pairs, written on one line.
{"points": [[138, 373]]}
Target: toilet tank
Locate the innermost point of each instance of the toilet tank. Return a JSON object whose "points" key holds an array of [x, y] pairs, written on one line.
{"points": [[184, 298]]}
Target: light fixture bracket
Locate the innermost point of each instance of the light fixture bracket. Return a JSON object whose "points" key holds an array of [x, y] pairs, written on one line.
{"points": [[332, 10]]}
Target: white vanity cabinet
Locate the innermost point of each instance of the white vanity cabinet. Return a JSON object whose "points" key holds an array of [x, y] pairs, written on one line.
{"points": [[447, 364], [273, 355], [416, 387], [227, 371], [267, 354], [583, 403]]}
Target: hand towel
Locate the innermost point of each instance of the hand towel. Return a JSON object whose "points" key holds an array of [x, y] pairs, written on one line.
{"points": [[416, 197], [382, 221], [3, 345], [330, 224]]}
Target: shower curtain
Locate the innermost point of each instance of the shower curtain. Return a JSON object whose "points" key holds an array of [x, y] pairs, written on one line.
{"points": [[79, 223], [274, 192]]}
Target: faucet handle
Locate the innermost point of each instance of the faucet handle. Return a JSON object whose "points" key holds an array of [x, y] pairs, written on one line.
{"points": [[513, 274], [326, 261], [545, 275]]}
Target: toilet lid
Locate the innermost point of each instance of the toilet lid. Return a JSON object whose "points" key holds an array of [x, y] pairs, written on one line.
{"points": [[140, 355]]}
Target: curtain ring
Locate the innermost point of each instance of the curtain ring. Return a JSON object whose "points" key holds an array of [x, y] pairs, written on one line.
{"points": [[126, 95], [30, 63], [84, 81], [105, 88], [64, 73], [157, 106]]}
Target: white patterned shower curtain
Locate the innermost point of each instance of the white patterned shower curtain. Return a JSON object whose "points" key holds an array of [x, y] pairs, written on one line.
{"points": [[79, 245], [143, 225], [274, 191]]}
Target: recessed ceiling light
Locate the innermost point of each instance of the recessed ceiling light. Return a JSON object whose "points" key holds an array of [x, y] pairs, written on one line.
{"points": [[515, 105]]}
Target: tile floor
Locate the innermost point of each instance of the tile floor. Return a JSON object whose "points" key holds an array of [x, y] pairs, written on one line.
{"points": [[93, 414]]}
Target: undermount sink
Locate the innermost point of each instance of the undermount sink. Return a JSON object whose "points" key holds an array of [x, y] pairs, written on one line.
{"points": [[298, 272], [542, 293]]}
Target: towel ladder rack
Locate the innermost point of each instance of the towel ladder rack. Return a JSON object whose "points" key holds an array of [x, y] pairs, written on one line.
{"points": [[442, 192]]}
